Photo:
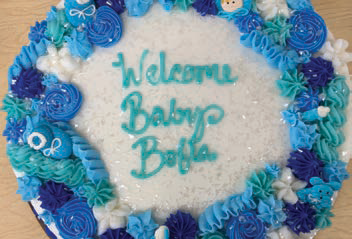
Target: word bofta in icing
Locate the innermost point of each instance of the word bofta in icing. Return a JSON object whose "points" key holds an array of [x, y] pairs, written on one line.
{"points": [[179, 74], [198, 119]]}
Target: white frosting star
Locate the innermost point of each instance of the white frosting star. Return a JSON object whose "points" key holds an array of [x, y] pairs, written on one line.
{"points": [[270, 8], [61, 63], [287, 186], [335, 51], [113, 215]]}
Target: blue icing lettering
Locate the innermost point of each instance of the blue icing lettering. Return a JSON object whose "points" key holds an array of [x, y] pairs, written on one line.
{"points": [[156, 74]]}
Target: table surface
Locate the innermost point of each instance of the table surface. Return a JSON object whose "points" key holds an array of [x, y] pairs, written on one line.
{"points": [[17, 220]]}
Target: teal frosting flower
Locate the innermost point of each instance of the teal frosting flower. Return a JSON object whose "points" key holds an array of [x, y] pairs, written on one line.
{"points": [[28, 187], [261, 184], [270, 211], [183, 5], [291, 84], [322, 218], [16, 108], [278, 29], [97, 194], [214, 235], [142, 225], [58, 27]]}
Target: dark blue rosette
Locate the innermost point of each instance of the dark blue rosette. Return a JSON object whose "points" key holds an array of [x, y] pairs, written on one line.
{"points": [[119, 233], [28, 84], [61, 102], [75, 220], [204, 7], [245, 226], [309, 31], [37, 31], [181, 225], [247, 23], [300, 217], [106, 29], [117, 5], [318, 71]]}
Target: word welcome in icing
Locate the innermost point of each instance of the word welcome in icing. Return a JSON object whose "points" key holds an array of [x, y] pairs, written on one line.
{"points": [[198, 118], [180, 74]]}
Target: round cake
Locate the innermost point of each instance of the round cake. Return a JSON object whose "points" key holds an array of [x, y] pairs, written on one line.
{"points": [[180, 119]]}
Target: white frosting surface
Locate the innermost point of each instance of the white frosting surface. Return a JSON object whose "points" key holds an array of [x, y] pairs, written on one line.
{"points": [[250, 134]]}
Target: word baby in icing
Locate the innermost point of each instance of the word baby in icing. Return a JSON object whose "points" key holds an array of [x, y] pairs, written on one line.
{"points": [[140, 120]]}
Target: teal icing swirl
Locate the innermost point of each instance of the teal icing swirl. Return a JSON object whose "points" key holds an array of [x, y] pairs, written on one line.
{"points": [[183, 5], [83, 150], [336, 116], [326, 152], [27, 58], [291, 84], [79, 45], [215, 216], [58, 28], [214, 235], [333, 135], [261, 182], [15, 108], [33, 163], [276, 55], [97, 194], [337, 93], [322, 218], [278, 29]]}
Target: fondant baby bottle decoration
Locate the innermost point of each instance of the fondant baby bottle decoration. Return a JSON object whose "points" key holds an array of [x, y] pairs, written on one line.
{"points": [[229, 9], [79, 12]]}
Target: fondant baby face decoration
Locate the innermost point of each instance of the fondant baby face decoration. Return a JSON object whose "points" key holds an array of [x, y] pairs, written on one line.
{"points": [[231, 5]]}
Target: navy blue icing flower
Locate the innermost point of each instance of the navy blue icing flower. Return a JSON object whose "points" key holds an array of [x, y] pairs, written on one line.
{"points": [[119, 233], [28, 84], [117, 5], [37, 31], [181, 225], [14, 130], [61, 102], [335, 171], [204, 7], [305, 164], [248, 23], [308, 32], [318, 71], [308, 99], [106, 29], [75, 220], [54, 195], [245, 226], [300, 217]]}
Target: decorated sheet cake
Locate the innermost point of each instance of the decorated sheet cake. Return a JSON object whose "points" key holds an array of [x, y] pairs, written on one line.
{"points": [[180, 119]]}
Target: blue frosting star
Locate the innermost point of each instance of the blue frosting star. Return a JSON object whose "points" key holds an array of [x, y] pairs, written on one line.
{"points": [[14, 130], [28, 187], [142, 225]]}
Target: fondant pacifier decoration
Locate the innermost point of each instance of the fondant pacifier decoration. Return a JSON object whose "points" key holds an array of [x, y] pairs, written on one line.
{"points": [[79, 11], [230, 9], [51, 141]]}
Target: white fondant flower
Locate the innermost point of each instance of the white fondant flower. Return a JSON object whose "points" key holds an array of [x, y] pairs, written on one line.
{"points": [[335, 51], [61, 63], [113, 215], [162, 233], [270, 8], [287, 186]]}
